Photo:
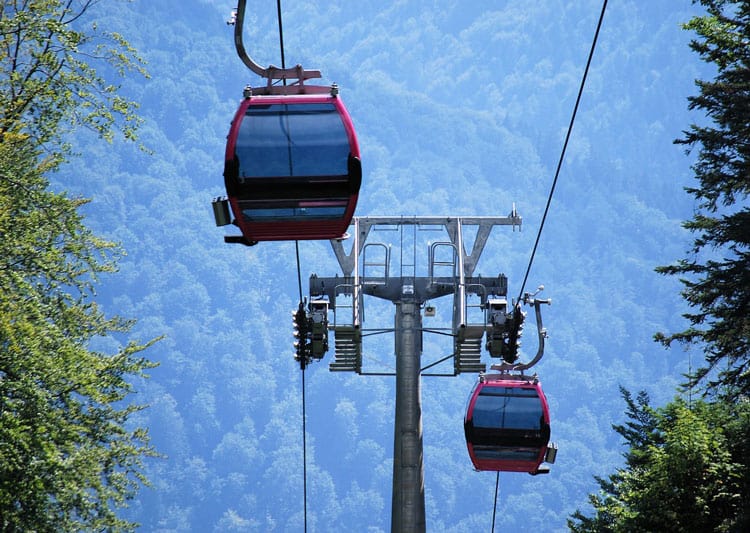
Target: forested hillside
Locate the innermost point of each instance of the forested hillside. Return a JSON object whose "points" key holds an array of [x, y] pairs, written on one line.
{"points": [[461, 109]]}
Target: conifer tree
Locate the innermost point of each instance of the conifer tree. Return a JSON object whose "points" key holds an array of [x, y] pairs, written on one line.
{"points": [[686, 470], [688, 465], [716, 273]]}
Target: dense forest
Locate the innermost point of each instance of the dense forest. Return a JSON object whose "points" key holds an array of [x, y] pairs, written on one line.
{"points": [[461, 109]]}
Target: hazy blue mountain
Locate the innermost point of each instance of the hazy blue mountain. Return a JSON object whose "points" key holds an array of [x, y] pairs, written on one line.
{"points": [[461, 108]]}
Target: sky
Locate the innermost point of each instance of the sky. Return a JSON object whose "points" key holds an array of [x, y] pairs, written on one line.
{"points": [[460, 109]]}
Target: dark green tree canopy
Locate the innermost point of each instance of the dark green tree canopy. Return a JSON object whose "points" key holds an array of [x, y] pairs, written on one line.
{"points": [[686, 470], [687, 464], [716, 273]]}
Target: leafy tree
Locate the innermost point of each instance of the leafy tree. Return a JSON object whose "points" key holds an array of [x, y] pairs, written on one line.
{"points": [[68, 457], [48, 82], [716, 275], [684, 471]]}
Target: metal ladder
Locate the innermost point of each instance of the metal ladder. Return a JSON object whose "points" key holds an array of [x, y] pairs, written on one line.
{"points": [[347, 350], [347, 336]]}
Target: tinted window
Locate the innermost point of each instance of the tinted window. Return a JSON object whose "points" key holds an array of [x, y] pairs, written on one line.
{"points": [[292, 140], [506, 453], [293, 213], [508, 408]]}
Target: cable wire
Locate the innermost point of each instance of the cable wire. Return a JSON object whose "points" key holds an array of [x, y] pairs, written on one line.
{"points": [[304, 449], [281, 35], [552, 190], [494, 506], [304, 414], [564, 148], [299, 285], [299, 270]]}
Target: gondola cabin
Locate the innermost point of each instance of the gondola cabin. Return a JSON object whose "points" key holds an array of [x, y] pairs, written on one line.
{"points": [[292, 168], [507, 424]]}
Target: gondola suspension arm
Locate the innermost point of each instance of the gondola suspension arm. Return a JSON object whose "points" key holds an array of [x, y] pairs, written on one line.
{"points": [[271, 72], [528, 299]]}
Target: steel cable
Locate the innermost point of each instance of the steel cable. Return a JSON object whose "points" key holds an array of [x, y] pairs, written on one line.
{"points": [[564, 148]]}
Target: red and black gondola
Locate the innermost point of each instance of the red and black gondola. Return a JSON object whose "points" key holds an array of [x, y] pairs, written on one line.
{"points": [[507, 425], [292, 168]]}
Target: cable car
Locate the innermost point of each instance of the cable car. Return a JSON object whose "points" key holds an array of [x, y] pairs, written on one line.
{"points": [[292, 167], [507, 425]]}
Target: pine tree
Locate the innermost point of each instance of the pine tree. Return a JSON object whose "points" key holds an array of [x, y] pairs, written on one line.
{"points": [[716, 274], [688, 466]]}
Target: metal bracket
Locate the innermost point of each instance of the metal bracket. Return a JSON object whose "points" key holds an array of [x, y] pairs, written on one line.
{"points": [[271, 72], [529, 299]]}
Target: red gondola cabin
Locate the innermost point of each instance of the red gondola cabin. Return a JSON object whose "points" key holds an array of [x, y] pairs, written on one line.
{"points": [[507, 425], [292, 168]]}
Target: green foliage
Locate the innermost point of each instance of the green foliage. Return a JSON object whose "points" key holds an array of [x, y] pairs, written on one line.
{"points": [[69, 458], [47, 74], [686, 471], [228, 356], [687, 465], [716, 274]]}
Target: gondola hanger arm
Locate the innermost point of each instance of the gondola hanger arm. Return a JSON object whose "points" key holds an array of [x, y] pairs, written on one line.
{"points": [[530, 299], [271, 72]]}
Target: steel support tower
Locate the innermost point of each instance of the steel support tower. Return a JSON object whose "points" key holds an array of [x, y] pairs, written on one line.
{"points": [[365, 275]]}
